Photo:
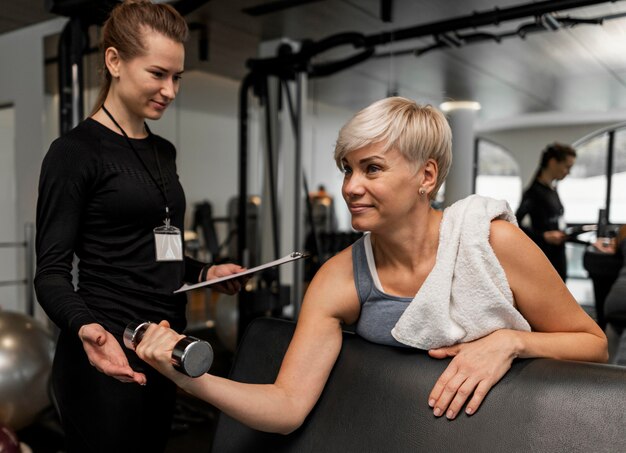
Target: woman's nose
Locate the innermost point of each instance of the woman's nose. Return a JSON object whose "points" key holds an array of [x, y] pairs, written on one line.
{"points": [[169, 88], [352, 186]]}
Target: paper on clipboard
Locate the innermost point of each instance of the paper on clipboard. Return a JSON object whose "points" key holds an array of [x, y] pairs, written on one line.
{"points": [[285, 259]]}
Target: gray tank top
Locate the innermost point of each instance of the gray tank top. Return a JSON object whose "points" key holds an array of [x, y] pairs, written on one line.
{"points": [[379, 311]]}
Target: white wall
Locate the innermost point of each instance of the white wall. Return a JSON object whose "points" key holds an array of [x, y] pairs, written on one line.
{"points": [[22, 84], [9, 299], [324, 124]]}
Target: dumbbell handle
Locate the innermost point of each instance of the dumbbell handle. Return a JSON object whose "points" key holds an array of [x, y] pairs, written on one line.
{"points": [[190, 355]]}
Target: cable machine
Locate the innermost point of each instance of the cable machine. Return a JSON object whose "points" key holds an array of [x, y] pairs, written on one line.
{"points": [[290, 66]]}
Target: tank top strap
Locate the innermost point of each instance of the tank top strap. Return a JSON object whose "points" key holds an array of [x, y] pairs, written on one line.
{"points": [[362, 276]]}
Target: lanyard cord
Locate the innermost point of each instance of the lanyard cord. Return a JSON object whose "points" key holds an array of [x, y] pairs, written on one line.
{"points": [[162, 188]]}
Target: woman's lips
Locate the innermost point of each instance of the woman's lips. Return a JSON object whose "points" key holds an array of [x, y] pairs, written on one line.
{"points": [[159, 105], [356, 208]]}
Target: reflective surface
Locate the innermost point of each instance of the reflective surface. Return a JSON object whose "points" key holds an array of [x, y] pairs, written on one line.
{"points": [[26, 351]]}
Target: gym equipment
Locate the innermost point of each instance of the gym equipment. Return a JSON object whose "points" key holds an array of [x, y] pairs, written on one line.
{"points": [[26, 351], [190, 356], [252, 255], [542, 405], [603, 269]]}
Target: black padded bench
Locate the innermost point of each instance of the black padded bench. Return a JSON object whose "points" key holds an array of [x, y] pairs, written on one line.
{"points": [[376, 401]]}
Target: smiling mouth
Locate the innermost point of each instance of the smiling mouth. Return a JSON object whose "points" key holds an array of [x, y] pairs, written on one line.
{"points": [[357, 208], [160, 105]]}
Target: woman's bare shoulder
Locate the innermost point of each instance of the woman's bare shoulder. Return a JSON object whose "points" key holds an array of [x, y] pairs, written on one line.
{"points": [[506, 237], [333, 287]]}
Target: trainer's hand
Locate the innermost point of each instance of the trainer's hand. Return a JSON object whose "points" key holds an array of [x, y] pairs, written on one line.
{"points": [[605, 245], [554, 237], [106, 355], [476, 367], [232, 286]]}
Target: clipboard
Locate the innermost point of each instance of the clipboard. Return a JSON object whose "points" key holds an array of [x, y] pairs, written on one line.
{"points": [[285, 259], [572, 233]]}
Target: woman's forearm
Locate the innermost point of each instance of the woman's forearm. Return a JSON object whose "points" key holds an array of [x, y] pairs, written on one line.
{"points": [[581, 346], [265, 407]]}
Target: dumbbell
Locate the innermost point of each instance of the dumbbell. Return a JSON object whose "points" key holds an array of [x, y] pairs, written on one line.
{"points": [[190, 356]]}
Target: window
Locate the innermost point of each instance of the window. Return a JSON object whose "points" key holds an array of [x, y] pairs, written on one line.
{"points": [[597, 181], [617, 201], [498, 174], [583, 192]]}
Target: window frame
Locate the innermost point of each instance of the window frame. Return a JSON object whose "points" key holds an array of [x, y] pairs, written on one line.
{"points": [[610, 157]]}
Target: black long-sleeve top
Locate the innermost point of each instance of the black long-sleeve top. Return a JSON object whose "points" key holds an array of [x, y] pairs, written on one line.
{"points": [[543, 207], [98, 201]]}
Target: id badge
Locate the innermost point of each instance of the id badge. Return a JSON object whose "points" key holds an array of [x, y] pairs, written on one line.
{"points": [[168, 243]]}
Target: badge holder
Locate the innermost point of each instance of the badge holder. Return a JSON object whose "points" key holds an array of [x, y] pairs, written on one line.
{"points": [[168, 243]]}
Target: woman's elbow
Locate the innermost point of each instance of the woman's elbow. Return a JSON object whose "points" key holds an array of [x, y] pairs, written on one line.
{"points": [[288, 429], [292, 420], [600, 352], [603, 354], [601, 357], [291, 424]]}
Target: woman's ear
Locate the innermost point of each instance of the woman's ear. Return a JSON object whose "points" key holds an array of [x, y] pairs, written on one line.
{"points": [[112, 61], [430, 170]]}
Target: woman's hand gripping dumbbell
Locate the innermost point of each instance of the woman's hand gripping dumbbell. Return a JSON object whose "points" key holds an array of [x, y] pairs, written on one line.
{"points": [[190, 355]]}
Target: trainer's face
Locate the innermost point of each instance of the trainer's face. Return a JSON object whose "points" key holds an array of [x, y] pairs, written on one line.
{"points": [[561, 169], [148, 83]]}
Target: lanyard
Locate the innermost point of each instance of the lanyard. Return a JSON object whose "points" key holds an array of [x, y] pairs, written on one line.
{"points": [[162, 188]]}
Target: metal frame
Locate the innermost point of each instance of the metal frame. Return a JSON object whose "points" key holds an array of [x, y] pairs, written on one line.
{"points": [[29, 266]]}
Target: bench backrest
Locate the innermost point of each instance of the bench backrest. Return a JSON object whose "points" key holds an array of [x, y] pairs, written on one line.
{"points": [[376, 401]]}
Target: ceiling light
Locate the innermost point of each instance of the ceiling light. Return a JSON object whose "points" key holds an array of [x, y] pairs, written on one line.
{"points": [[459, 105]]}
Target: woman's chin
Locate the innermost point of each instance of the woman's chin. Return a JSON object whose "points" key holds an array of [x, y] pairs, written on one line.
{"points": [[359, 226]]}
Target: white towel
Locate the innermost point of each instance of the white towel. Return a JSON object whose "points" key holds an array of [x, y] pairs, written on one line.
{"points": [[466, 296]]}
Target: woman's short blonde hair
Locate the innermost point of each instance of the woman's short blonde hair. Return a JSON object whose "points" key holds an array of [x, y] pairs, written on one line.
{"points": [[418, 132]]}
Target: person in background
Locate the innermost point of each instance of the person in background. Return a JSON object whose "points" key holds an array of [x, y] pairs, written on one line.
{"points": [[465, 283], [540, 213], [614, 306], [109, 193]]}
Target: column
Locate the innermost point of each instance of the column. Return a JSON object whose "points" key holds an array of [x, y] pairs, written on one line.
{"points": [[460, 181]]}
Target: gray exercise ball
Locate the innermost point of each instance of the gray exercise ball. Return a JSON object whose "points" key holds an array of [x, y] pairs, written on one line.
{"points": [[26, 351]]}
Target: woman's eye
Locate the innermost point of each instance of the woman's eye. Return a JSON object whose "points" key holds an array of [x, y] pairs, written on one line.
{"points": [[373, 168], [346, 170], [177, 78], [157, 74]]}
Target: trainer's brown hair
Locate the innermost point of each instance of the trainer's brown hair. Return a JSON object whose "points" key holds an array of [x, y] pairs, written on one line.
{"points": [[125, 29]]}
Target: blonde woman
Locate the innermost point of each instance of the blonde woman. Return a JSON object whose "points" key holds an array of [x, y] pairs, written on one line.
{"points": [[403, 281]]}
